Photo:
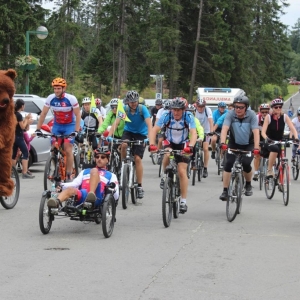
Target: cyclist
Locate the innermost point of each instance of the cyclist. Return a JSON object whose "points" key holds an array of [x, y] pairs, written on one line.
{"points": [[110, 119], [296, 123], [204, 115], [244, 135], [178, 125], [92, 119], [102, 110], [155, 109], [230, 106], [90, 184], [216, 115], [137, 129], [264, 109], [66, 117], [273, 129]]}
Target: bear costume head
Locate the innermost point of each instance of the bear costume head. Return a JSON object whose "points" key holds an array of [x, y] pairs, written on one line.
{"points": [[8, 124]]}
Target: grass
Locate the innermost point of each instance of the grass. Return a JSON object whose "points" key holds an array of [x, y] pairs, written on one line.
{"points": [[292, 89]]}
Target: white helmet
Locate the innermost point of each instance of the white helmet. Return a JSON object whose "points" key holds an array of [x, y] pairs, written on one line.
{"points": [[298, 111], [114, 101], [86, 100]]}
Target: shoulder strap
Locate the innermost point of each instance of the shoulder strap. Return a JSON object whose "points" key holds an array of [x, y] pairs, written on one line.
{"points": [[206, 112], [141, 111]]}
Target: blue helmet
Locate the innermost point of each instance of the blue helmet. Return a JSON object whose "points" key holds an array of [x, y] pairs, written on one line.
{"points": [[222, 104]]}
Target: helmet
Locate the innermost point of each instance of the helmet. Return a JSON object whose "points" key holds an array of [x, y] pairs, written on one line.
{"points": [[59, 81], [125, 101], [264, 106], [201, 101], [298, 111], [242, 99], [142, 100], [132, 96], [86, 100], [222, 104], [191, 108], [102, 150], [178, 102], [158, 102], [114, 101], [98, 101], [277, 102], [167, 104]]}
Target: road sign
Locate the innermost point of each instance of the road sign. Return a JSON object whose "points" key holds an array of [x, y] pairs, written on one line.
{"points": [[290, 113], [158, 96]]}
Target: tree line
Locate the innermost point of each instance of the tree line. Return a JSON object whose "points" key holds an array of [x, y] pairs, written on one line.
{"points": [[106, 46]]}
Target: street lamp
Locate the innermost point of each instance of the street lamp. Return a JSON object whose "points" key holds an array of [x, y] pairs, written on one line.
{"points": [[41, 33]]}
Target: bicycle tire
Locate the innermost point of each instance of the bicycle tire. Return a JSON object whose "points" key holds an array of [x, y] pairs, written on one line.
{"points": [[176, 204], [219, 162], [188, 170], [154, 158], [194, 172], [261, 173], [200, 166], [234, 190], [285, 185], [108, 215], [160, 167], [133, 188], [75, 167], [48, 173], [11, 201], [269, 183], [45, 219], [295, 168], [167, 202], [217, 156], [240, 203], [125, 188]]}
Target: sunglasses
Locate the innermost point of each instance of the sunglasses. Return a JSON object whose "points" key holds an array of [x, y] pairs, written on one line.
{"points": [[100, 156], [113, 107], [276, 107], [201, 106], [239, 107], [264, 112]]}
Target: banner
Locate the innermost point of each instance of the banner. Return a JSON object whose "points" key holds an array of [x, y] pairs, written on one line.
{"points": [[93, 103], [121, 112]]}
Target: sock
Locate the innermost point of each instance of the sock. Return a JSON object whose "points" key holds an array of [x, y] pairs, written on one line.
{"points": [[225, 189], [255, 172], [248, 182], [139, 185], [182, 200]]}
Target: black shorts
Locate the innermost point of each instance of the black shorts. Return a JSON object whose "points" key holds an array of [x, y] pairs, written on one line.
{"points": [[137, 149], [178, 158]]}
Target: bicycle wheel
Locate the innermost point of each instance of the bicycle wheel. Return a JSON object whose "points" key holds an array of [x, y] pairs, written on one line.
{"points": [[108, 215], [188, 170], [160, 167], [261, 173], [176, 202], [125, 188], [167, 202], [200, 166], [219, 162], [295, 168], [269, 183], [217, 159], [45, 218], [194, 172], [285, 185], [240, 203], [75, 167], [154, 158], [234, 194], [50, 172], [11, 201], [133, 188]]}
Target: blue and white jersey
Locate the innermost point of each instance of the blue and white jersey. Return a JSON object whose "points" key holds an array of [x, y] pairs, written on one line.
{"points": [[177, 131]]}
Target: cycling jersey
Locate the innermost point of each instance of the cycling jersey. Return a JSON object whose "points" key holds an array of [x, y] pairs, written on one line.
{"points": [[296, 123], [109, 120], [275, 128], [217, 115], [177, 131], [82, 181], [91, 118], [62, 108], [203, 118], [160, 112]]}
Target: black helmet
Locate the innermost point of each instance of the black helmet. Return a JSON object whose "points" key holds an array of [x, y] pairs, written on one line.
{"points": [[241, 99], [102, 150], [158, 102], [178, 103], [132, 96]]}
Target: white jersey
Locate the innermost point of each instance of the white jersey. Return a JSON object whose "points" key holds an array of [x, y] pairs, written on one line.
{"points": [[102, 111], [296, 123], [203, 118], [160, 113]]}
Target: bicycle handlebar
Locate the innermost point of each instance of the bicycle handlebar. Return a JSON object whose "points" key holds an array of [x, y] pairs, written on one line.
{"points": [[239, 151], [60, 136], [135, 142]]}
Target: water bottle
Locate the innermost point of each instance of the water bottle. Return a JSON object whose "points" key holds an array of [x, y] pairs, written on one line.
{"points": [[53, 191]]}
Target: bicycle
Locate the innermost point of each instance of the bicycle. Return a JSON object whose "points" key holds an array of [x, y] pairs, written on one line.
{"points": [[199, 163], [296, 165], [128, 173], [114, 165], [171, 190], [281, 174], [9, 202], [85, 212], [236, 184], [55, 168]]}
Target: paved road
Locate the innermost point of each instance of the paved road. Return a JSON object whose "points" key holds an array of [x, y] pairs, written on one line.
{"points": [[201, 256]]}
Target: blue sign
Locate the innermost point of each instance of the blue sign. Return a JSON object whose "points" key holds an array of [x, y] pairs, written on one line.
{"points": [[290, 113]]}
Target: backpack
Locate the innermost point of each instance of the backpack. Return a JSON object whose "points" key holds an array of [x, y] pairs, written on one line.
{"points": [[140, 110], [186, 125], [84, 114]]}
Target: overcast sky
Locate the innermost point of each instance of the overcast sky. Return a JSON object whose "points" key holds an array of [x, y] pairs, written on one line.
{"points": [[290, 18]]}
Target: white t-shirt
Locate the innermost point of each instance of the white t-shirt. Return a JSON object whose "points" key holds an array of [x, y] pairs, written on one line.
{"points": [[160, 112], [296, 122], [204, 119]]}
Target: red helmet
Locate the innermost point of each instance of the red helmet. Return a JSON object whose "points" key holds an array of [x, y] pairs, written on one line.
{"points": [[264, 106], [98, 101]]}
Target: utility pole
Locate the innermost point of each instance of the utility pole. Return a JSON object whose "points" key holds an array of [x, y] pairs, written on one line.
{"points": [[159, 86]]}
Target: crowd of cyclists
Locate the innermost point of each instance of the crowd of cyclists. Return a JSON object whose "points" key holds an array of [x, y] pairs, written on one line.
{"points": [[171, 124]]}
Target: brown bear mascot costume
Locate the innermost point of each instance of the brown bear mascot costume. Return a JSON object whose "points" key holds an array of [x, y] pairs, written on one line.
{"points": [[8, 124]]}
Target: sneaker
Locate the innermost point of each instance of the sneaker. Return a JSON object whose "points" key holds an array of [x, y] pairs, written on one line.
{"points": [[213, 154], [140, 192], [183, 207], [224, 196], [27, 176], [205, 174], [270, 174], [255, 177], [29, 173], [91, 197], [248, 190], [162, 183], [53, 203]]}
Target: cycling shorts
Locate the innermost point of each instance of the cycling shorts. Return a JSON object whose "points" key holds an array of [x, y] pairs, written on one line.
{"points": [[64, 129]]}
